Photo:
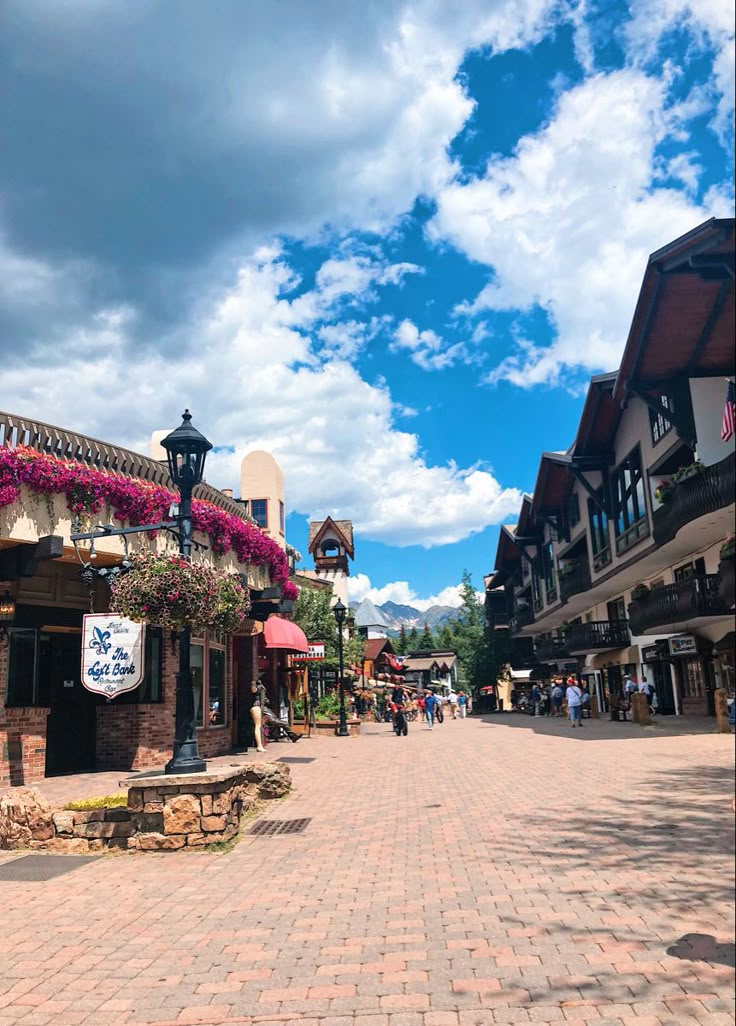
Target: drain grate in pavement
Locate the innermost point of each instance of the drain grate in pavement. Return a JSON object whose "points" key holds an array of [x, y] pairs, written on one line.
{"points": [[271, 827], [36, 868], [296, 758]]}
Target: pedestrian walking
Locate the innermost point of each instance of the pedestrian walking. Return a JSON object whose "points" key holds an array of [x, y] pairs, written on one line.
{"points": [[586, 701], [430, 707], [557, 696], [439, 713], [574, 697], [535, 698], [453, 704], [462, 705]]}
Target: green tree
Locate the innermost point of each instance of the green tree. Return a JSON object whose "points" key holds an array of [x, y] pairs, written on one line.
{"points": [[314, 615], [482, 652], [427, 639], [401, 642], [446, 637], [412, 640]]}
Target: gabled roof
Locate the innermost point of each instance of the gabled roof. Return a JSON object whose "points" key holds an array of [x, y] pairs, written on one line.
{"points": [[553, 482], [374, 647], [368, 615], [417, 663], [343, 528], [599, 417], [684, 317]]}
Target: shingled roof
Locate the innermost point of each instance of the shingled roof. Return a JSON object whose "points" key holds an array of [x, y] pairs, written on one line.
{"points": [[342, 527], [368, 615]]}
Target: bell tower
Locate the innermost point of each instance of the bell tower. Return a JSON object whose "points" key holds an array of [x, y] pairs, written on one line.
{"points": [[331, 546]]}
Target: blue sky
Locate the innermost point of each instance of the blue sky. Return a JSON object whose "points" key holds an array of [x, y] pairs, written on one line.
{"points": [[389, 243]]}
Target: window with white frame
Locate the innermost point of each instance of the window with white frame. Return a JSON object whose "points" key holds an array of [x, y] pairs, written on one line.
{"points": [[209, 663]]}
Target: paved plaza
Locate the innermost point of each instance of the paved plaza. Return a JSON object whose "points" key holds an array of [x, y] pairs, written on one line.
{"points": [[497, 870]]}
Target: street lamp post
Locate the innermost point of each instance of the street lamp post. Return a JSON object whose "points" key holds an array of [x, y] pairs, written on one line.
{"points": [[340, 612], [186, 449]]}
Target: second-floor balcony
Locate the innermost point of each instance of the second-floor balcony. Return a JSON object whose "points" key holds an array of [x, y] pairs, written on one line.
{"points": [[597, 636], [727, 581], [547, 649], [574, 579], [523, 617], [705, 491], [673, 607]]}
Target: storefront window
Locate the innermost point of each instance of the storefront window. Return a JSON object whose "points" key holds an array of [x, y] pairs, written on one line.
{"points": [[21, 667], [693, 678], [216, 696], [197, 663]]}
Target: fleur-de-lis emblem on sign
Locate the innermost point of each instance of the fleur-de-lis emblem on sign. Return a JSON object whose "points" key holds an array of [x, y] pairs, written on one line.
{"points": [[99, 642]]}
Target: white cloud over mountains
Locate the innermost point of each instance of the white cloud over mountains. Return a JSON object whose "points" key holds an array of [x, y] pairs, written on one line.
{"points": [[401, 592]]}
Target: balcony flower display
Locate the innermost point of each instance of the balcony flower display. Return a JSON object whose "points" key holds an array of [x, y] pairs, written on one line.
{"points": [[522, 605], [568, 569], [663, 491], [691, 470], [728, 548], [639, 591], [135, 502], [172, 592]]}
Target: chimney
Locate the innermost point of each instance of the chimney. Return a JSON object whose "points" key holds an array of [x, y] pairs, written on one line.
{"points": [[228, 492]]}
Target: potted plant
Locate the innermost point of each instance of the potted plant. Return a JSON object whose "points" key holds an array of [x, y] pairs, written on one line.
{"points": [[172, 592], [691, 470], [568, 569], [639, 591], [663, 491], [521, 605], [728, 548]]}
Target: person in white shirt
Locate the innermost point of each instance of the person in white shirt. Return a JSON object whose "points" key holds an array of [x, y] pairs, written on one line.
{"points": [[574, 696], [453, 704]]}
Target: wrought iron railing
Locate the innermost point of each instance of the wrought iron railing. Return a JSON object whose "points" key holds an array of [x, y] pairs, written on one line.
{"points": [[703, 493], [69, 445], [551, 648], [677, 603], [574, 582], [597, 634], [521, 618], [727, 581]]}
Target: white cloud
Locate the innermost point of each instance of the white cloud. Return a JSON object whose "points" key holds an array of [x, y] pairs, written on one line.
{"points": [[710, 25], [426, 348], [569, 221], [360, 587], [251, 377]]}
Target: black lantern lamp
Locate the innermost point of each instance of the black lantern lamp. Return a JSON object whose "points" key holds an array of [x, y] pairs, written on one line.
{"points": [[340, 612], [7, 614], [186, 449]]}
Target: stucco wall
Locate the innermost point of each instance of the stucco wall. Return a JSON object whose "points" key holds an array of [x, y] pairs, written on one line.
{"points": [[709, 401]]}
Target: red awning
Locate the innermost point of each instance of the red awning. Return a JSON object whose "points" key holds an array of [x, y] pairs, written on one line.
{"points": [[280, 633]]}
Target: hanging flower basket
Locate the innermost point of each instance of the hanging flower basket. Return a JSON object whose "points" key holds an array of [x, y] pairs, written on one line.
{"points": [[639, 591], [663, 491], [169, 591]]}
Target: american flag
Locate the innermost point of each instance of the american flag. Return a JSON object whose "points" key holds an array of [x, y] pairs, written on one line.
{"points": [[727, 427]]}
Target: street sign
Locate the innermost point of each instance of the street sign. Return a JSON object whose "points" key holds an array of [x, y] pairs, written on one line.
{"points": [[684, 645], [113, 654], [316, 653]]}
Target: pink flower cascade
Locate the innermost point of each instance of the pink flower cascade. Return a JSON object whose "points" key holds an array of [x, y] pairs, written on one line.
{"points": [[134, 502]]}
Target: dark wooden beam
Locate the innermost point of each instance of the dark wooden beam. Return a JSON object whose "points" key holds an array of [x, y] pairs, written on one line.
{"points": [[602, 504], [22, 560], [673, 416], [710, 323]]}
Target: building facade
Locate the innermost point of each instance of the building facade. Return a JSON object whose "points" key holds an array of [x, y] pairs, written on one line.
{"points": [[50, 480], [619, 561]]}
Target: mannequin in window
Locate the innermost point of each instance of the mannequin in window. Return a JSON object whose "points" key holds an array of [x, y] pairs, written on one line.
{"points": [[261, 714]]}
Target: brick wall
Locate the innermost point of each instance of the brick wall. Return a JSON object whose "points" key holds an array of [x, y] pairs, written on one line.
{"points": [[22, 737], [141, 736]]}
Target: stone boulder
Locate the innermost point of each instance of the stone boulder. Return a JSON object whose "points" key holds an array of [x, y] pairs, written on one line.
{"points": [[271, 779], [25, 816]]}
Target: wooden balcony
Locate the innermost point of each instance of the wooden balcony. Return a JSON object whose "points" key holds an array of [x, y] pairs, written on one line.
{"points": [[521, 618], [547, 649], [703, 493], [674, 607], [727, 585], [575, 582], [597, 636]]}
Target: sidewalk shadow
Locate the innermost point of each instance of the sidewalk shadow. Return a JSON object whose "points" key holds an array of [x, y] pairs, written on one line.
{"points": [[601, 729]]}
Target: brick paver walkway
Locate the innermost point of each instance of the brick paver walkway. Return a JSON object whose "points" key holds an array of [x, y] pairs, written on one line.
{"points": [[489, 872]]}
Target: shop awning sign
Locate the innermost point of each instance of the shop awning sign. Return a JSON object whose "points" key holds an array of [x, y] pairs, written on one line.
{"points": [[684, 645], [113, 654], [315, 654]]}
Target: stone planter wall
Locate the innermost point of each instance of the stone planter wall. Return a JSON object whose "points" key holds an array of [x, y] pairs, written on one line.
{"points": [[163, 813], [328, 728]]}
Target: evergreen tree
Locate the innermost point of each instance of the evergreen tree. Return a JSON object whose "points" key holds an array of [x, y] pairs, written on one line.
{"points": [[412, 641], [446, 638], [427, 639], [402, 641], [314, 615]]}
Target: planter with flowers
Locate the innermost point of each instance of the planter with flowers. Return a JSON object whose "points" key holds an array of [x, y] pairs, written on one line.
{"points": [[569, 568], [691, 470], [639, 591], [663, 492], [726, 572], [172, 592]]}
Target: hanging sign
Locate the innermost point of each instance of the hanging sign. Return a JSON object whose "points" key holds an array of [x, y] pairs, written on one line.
{"points": [[684, 645], [113, 654], [316, 654]]}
